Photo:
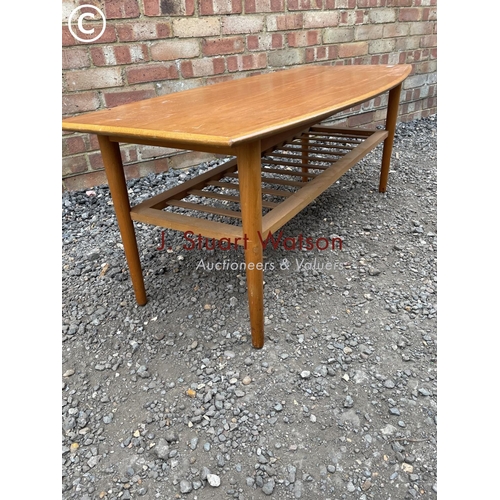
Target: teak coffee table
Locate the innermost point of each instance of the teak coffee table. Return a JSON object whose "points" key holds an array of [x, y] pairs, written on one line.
{"points": [[282, 159]]}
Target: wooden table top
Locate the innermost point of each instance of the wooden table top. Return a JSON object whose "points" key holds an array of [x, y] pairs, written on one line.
{"points": [[233, 112]]}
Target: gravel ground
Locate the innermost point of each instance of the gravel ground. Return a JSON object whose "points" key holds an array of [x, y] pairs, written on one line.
{"points": [[171, 401]]}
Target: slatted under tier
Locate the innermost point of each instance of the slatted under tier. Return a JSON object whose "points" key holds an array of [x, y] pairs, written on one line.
{"points": [[293, 174]]}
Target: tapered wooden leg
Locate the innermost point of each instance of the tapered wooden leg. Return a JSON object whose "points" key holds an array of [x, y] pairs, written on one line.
{"points": [[390, 126], [116, 179], [249, 174]]}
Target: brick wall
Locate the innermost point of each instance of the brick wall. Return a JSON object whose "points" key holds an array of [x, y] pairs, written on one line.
{"points": [[155, 47]]}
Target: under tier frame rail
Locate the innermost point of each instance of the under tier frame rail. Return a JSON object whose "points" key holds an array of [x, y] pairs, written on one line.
{"points": [[293, 174]]}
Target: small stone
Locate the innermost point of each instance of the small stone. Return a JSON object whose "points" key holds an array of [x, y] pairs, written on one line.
{"points": [[407, 467], [162, 449], [238, 393], [74, 447], [312, 418], [305, 374], [171, 436], [268, 487], [247, 380], [68, 373], [191, 393], [205, 471], [351, 487], [185, 486], [297, 489], [389, 384], [213, 480], [331, 468], [394, 411], [366, 485], [388, 430]]}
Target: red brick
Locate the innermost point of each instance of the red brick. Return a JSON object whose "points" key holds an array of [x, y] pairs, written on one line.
{"points": [[234, 25], [169, 50], [340, 4], [203, 27], [399, 3], [223, 46], [429, 14], [285, 22], [138, 31], [151, 73], [353, 49], [396, 29], [321, 19], [80, 103], [75, 59], [211, 7], [247, 62], [112, 99], [265, 41], [109, 35], [127, 54], [169, 7], [428, 41], [74, 164], [253, 6], [411, 14], [304, 4], [303, 38], [368, 32], [362, 119], [323, 53], [118, 9], [84, 181], [151, 7], [177, 7], [95, 160], [371, 3], [96, 78], [73, 145], [202, 67]]}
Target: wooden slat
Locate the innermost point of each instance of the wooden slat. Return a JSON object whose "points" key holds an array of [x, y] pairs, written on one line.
{"points": [[291, 206], [267, 161], [204, 208], [282, 182], [236, 187], [225, 185], [208, 228], [180, 191], [214, 196], [284, 171], [312, 148], [333, 140], [226, 197], [333, 129]]}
